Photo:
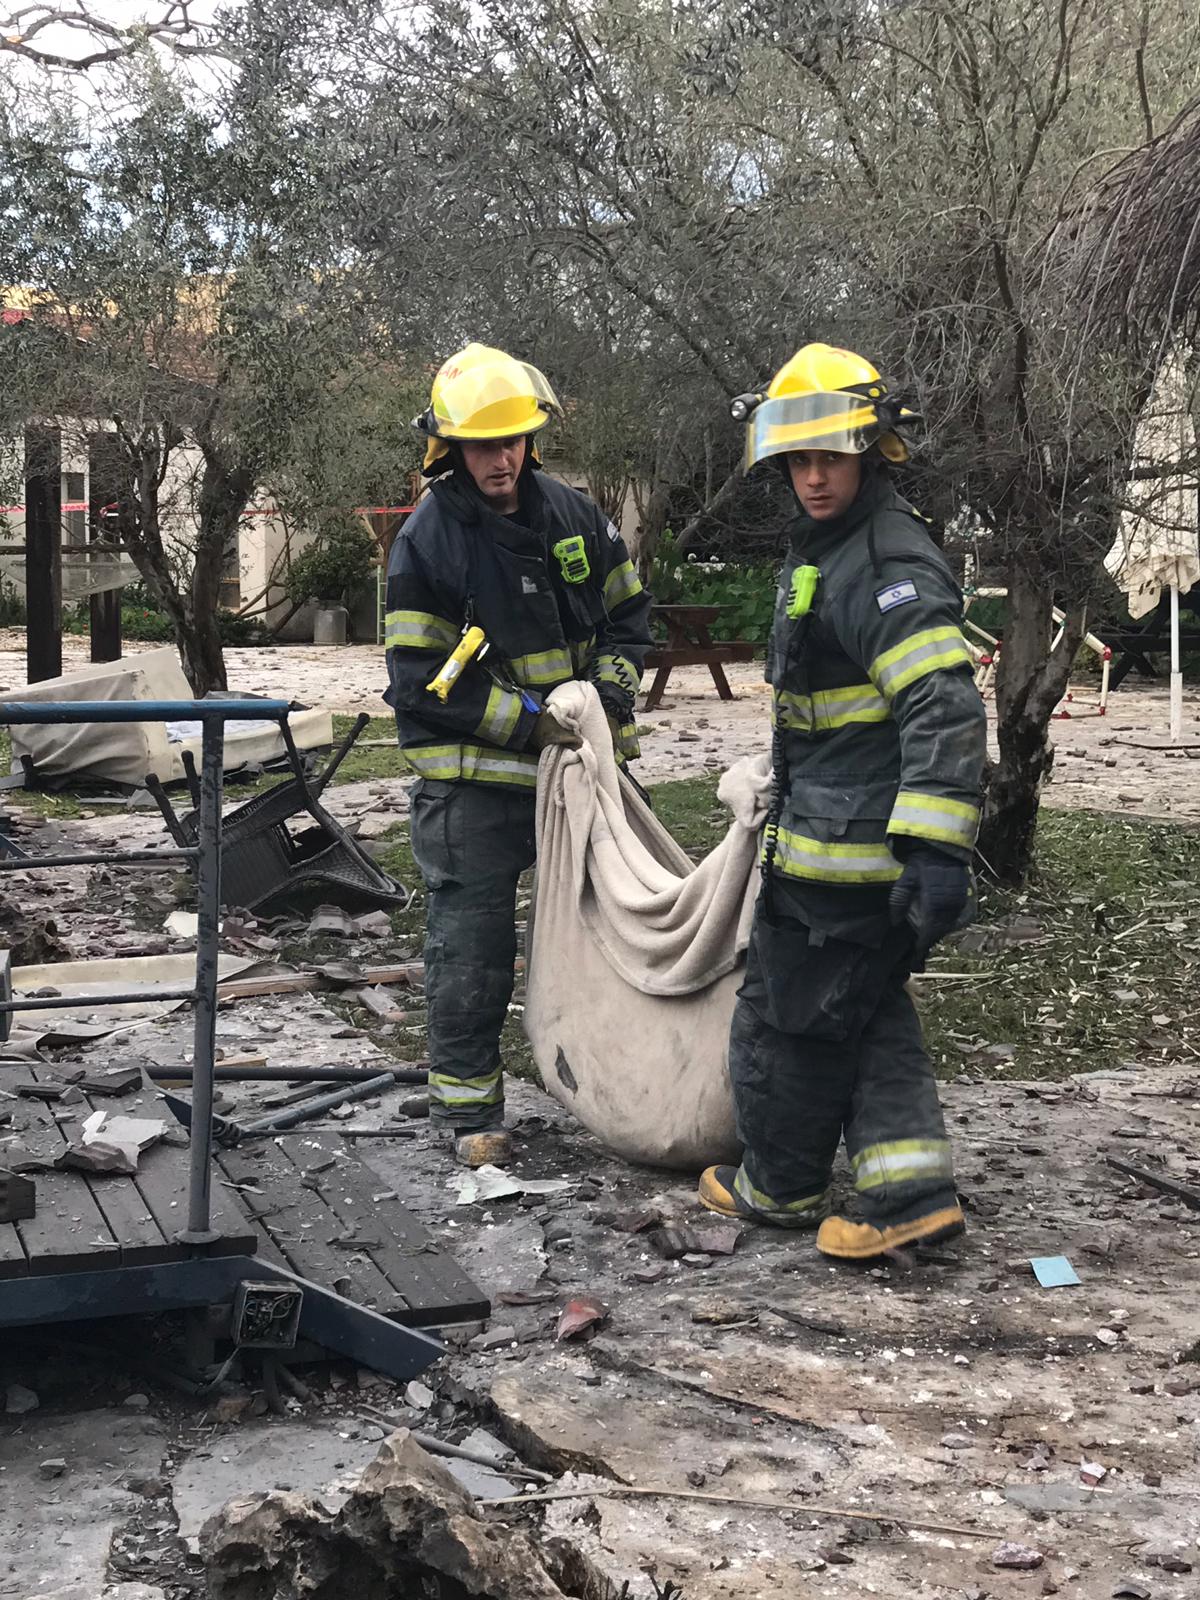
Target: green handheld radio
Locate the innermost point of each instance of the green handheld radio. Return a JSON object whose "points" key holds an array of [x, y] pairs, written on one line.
{"points": [[572, 557]]}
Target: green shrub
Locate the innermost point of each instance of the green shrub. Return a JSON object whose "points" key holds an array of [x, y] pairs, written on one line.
{"points": [[12, 605], [745, 592], [336, 563]]}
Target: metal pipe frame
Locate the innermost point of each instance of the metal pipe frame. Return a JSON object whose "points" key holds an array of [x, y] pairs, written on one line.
{"points": [[97, 858], [212, 715]]}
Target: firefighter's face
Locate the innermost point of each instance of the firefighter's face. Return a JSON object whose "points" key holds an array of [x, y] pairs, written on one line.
{"points": [[495, 465], [825, 481]]}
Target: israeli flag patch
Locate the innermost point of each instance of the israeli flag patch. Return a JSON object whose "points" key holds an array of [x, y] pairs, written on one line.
{"points": [[611, 529], [896, 594]]}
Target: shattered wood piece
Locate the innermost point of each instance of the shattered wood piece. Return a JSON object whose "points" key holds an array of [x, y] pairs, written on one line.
{"points": [[18, 1197], [580, 1315], [379, 1004], [597, 1491], [1179, 1191], [116, 1081]]}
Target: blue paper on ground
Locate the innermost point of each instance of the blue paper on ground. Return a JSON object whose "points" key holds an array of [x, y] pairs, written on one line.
{"points": [[1053, 1272]]}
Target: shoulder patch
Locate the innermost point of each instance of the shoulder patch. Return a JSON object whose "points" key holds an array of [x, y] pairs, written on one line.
{"points": [[896, 594], [611, 529]]}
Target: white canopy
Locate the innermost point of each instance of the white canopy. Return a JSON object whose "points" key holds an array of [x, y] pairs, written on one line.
{"points": [[1157, 546]]}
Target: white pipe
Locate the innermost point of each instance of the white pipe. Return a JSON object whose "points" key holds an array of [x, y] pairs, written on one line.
{"points": [[1176, 674]]}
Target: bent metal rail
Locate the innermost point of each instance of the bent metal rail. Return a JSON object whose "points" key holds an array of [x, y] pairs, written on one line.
{"points": [[212, 715]]}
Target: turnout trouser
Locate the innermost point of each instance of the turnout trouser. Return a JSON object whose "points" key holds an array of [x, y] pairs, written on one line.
{"points": [[826, 1043], [471, 841]]}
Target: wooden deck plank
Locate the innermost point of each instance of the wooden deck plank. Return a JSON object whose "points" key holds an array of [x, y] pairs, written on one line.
{"points": [[302, 1226], [69, 1233], [138, 1235], [430, 1286], [14, 1263]]}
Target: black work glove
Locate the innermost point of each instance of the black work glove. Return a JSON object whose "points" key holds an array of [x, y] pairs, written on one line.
{"points": [[548, 730], [931, 895]]}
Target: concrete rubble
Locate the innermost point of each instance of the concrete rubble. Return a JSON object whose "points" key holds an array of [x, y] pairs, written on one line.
{"points": [[407, 1527]]}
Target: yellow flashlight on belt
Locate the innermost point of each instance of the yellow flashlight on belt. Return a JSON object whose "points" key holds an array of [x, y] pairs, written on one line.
{"points": [[467, 648]]}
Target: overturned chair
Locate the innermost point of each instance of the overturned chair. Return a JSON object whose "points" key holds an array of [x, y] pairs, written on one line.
{"points": [[282, 850]]}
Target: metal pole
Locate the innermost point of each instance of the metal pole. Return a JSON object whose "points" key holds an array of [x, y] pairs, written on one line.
{"points": [[208, 902], [1176, 675]]}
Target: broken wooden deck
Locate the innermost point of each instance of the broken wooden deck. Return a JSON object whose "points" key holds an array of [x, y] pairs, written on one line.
{"points": [[327, 1217], [298, 1202]]}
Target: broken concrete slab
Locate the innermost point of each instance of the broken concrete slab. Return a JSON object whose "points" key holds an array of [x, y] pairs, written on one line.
{"points": [[407, 1527], [312, 1458]]}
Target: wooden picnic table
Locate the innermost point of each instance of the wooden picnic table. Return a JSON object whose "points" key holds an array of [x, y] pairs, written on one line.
{"points": [[690, 644]]}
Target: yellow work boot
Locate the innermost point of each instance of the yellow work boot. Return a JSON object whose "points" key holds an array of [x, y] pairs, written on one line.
{"points": [[488, 1147], [719, 1191], [859, 1241]]}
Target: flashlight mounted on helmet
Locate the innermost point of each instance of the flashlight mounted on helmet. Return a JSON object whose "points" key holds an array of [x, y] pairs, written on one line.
{"points": [[742, 405]]}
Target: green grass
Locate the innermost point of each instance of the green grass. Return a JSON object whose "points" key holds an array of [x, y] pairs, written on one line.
{"points": [[1095, 963]]}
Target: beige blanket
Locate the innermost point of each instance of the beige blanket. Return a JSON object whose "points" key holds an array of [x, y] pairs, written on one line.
{"points": [[634, 950]]}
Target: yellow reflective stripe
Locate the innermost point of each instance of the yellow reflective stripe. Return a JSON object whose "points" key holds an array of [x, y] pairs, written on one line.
{"points": [[542, 667], [482, 763], [418, 630], [621, 584], [929, 816], [615, 669], [500, 715], [798, 856], [916, 656], [826, 709], [901, 1161], [448, 1090], [811, 1209], [628, 745]]}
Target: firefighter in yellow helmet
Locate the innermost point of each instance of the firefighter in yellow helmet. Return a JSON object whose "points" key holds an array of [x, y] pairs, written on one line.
{"points": [[500, 546], [879, 744]]}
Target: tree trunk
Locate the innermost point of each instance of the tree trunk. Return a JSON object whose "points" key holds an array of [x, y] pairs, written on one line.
{"points": [[225, 490], [1030, 681], [652, 520]]}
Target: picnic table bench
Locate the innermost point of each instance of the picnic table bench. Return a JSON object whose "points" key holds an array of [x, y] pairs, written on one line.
{"points": [[690, 644]]}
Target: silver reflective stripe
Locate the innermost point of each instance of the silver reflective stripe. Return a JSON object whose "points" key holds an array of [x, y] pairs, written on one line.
{"points": [[418, 630], [932, 817], [486, 763], [798, 856], [902, 1161], [448, 1090], [915, 657], [501, 715]]}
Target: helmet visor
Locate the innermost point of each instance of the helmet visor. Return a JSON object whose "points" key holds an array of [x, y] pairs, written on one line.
{"points": [[825, 421]]}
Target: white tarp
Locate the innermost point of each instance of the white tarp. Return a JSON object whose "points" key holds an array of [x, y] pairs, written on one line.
{"points": [[128, 752], [634, 951], [1157, 546]]}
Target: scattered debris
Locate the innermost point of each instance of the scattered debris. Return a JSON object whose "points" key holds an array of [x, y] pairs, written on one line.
{"points": [[406, 1528], [1053, 1272], [675, 1242], [114, 1081], [1092, 1473], [1130, 1588], [52, 1467], [580, 1315], [332, 922], [418, 1395], [492, 1183], [1019, 1557]]}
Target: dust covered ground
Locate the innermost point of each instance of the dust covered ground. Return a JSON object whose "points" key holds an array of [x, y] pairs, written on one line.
{"points": [[951, 1391]]}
